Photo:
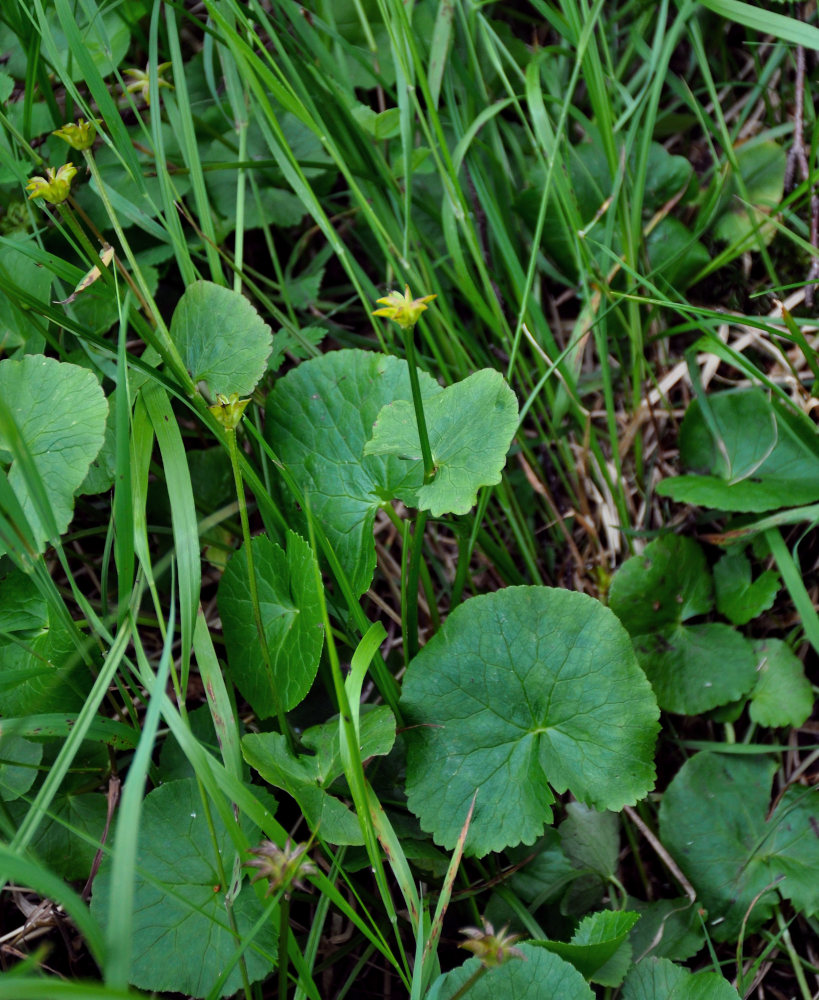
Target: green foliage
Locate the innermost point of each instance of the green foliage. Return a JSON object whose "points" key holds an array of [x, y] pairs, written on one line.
{"points": [[520, 688]]}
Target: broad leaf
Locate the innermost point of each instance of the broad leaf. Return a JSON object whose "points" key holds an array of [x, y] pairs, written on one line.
{"points": [[694, 668], [470, 424], [668, 928], [319, 417], [788, 476], [290, 609], [599, 948], [591, 839], [520, 689], [783, 695], [182, 940], [18, 765], [762, 168], [738, 598], [223, 341], [668, 583], [539, 975], [713, 820], [660, 979], [69, 838], [42, 671], [59, 412], [307, 778]]}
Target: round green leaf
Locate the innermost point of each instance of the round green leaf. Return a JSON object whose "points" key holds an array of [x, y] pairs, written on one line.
{"points": [[319, 417], [18, 766], [520, 689], [713, 820], [738, 598], [783, 695], [694, 668], [290, 608], [470, 426], [539, 975], [660, 979], [182, 940], [59, 412], [669, 582], [223, 341]]}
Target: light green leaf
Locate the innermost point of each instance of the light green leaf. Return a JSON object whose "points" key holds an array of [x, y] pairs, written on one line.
{"points": [[718, 454], [16, 327], [713, 820], [520, 689], [783, 695], [762, 168], [540, 975], [738, 598], [223, 341], [290, 609], [319, 417], [591, 839], [599, 948], [18, 765], [470, 424], [667, 584], [182, 940], [660, 979], [694, 668], [59, 412]]}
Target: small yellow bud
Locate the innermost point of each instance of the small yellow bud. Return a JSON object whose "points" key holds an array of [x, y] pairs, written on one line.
{"points": [[403, 309], [79, 136], [141, 82], [228, 410], [55, 186]]}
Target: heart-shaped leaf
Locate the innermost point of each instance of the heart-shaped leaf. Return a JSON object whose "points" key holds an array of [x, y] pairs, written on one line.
{"points": [[738, 598], [783, 695], [223, 341], [470, 425], [713, 820], [58, 410], [319, 417], [182, 938], [660, 979], [520, 689], [290, 608]]}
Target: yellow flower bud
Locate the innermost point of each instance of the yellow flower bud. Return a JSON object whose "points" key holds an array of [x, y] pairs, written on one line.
{"points": [[55, 186], [403, 309], [228, 410], [79, 136], [141, 82]]}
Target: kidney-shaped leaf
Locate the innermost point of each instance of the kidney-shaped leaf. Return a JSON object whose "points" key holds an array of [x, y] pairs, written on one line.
{"points": [[182, 938], [59, 413], [713, 820], [520, 689], [470, 425], [539, 975], [290, 609], [319, 417], [660, 979], [223, 341]]}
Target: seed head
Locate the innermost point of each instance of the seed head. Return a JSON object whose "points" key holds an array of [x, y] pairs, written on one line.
{"points": [[283, 867], [489, 947]]}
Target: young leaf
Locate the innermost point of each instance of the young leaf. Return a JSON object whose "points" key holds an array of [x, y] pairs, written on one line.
{"points": [[520, 689], [599, 948], [783, 695], [181, 936], [713, 820], [58, 411], [319, 417], [738, 598], [537, 975], [659, 979], [470, 424], [221, 338], [291, 617]]}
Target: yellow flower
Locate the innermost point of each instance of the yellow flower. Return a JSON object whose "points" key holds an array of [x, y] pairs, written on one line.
{"points": [[489, 947], [54, 187], [403, 309], [141, 83], [228, 410], [79, 136]]}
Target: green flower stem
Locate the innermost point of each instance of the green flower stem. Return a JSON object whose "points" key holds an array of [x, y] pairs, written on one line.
{"points": [[423, 436], [796, 961], [284, 930], [284, 725], [161, 338]]}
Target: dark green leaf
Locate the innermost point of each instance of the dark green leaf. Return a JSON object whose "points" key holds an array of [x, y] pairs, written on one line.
{"points": [[738, 598], [783, 695], [659, 979]]}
